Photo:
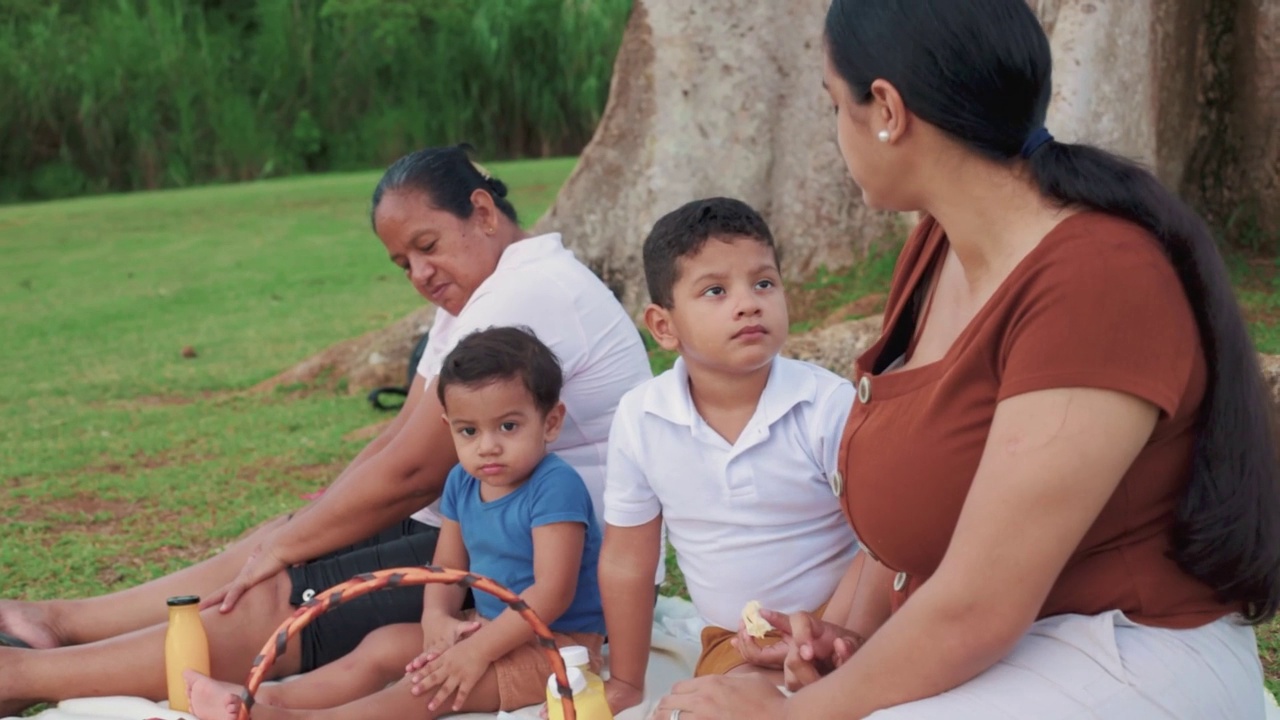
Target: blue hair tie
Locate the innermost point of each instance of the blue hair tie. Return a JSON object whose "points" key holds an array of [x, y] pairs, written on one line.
{"points": [[1038, 137]]}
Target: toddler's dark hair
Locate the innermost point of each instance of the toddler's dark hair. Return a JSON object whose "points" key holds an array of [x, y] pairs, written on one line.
{"points": [[502, 353]]}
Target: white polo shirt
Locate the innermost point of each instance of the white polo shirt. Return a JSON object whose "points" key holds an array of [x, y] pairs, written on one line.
{"points": [[539, 284], [755, 520]]}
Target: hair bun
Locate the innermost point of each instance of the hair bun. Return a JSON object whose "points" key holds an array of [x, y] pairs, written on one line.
{"points": [[496, 186]]}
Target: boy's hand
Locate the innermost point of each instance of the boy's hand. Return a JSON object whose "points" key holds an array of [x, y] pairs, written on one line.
{"points": [[766, 656], [457, 669]]}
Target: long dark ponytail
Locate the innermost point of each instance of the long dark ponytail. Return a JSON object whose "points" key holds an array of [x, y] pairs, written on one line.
{"points": [[979, 70]]}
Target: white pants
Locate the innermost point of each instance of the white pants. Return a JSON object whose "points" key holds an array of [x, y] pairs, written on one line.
{"points": [[1105, 667]]}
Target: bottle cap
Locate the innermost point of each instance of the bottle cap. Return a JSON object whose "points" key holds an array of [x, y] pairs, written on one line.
{"points": [[577, 682], [575, 655], [181, 600]]}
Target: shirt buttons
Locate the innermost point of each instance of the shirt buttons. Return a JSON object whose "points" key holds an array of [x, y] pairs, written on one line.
{"points": [[864, 389], [899, 581], [837, 483]]}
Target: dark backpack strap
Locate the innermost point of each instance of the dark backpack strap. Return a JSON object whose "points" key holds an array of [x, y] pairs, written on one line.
{"points": [[375, 396]]}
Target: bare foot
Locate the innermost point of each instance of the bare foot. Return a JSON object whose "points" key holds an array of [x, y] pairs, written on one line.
{"points": [[212, 699], [27, 622]]}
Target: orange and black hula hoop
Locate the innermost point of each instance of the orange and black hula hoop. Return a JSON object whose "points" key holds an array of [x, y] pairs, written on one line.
{"points": [[397, 577]]}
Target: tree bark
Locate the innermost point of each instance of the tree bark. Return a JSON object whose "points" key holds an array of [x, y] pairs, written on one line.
{"points": [[1190, 88], [1126, 77], [1256, 66]]}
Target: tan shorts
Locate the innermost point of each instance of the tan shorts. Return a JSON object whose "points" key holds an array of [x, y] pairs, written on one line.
{"points": [[522, 673], [719, 656]]}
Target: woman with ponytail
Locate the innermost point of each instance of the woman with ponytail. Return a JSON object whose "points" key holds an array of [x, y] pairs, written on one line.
{"points": [[1062, 466]]}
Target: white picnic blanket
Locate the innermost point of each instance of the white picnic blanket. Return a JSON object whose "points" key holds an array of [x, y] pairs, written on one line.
{"points": [[676, 629]]}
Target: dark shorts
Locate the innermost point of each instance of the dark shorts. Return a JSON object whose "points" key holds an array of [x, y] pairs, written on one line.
{"points": [[339, 631]]}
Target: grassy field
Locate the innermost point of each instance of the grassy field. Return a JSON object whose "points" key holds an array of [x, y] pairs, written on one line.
{"points": [[120, 459]]}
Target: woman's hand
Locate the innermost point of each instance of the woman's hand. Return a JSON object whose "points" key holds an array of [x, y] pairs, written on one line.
{"points": [[813, 646], [255, 540], [261, 565], [740, 697], [806, 641]]}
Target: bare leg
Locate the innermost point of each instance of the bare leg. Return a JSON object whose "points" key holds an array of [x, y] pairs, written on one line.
{"points": [[54, 623], [133, 664], [393, 702], [377, 661]]}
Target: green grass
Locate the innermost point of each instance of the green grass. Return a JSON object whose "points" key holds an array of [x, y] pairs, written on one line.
{"points": [[119, 458], [1257, 284]]}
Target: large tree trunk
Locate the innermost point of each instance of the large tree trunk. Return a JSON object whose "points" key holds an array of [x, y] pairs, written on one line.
{"points": [[1256, 108], [1125, 77], [716, 97], [724, 97], [1191, 88]]}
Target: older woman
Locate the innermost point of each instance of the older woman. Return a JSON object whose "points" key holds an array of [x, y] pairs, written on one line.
{"points": [[447, 223], [1061, 468]]}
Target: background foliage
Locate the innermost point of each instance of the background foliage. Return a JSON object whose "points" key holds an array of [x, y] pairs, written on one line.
{"points": [[131, 94]]}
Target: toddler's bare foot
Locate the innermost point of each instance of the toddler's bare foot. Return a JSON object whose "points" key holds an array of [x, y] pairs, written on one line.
{"points": [[212, 699], [27, 622]]}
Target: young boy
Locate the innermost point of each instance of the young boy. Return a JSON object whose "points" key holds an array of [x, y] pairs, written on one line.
{"points": [[513, 513], [734, 448]]}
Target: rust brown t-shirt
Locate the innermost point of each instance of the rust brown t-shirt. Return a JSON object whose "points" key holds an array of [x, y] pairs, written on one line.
{"points": [[1095, 304]]}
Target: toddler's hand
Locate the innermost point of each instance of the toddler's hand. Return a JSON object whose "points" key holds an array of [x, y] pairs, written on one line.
{"points": [[440, 635], [455, 670]]}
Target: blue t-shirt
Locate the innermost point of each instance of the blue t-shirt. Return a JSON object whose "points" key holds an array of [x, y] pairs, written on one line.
{"points": [[498, 536]]}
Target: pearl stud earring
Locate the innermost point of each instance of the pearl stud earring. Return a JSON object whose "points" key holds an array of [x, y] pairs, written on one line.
{"points": [[883, 136]]}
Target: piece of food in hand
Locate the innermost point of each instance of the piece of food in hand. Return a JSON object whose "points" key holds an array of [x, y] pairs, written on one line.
{"points": [[756, 626]]}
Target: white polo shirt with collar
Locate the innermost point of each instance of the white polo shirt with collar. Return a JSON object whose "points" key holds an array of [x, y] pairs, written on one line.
{"points": [[752, 520], [540, 284]]}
